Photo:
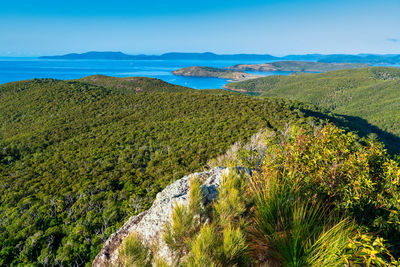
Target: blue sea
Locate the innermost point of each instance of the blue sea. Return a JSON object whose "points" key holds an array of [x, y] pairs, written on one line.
{"points": [[16, 69]]}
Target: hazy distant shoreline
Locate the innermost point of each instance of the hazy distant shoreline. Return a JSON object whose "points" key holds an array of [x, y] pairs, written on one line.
{"points": [[332, 58]]}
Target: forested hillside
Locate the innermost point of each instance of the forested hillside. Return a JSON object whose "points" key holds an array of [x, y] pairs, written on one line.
{"points": [[77, 159], [372, 94], [133, 84], [298, 66]]}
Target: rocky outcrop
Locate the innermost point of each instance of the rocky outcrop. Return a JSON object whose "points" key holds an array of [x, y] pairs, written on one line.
{"points": [[149, 225]]}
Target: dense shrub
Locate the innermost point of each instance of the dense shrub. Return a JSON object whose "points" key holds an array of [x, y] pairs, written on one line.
{"points": [[361, 182], [316, 201], [290, 230]]}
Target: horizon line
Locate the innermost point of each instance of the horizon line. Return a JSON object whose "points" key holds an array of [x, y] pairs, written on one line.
{"points": [[203, 52]]}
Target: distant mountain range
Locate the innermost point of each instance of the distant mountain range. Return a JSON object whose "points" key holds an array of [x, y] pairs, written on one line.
{"points": [[167, 56], [335, 58]]}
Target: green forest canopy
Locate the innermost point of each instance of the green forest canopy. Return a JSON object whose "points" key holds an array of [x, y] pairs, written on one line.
{"points": [[77, 158], [372, 94]]}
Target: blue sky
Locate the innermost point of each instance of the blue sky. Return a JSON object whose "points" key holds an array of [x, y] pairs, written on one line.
{"points": [[34, 27]]}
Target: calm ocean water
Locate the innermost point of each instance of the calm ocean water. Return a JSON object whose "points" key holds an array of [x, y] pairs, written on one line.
{"points": [[15, 69]]}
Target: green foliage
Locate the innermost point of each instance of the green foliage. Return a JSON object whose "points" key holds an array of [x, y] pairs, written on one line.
{"points": [[369, 97], [204, 248], [213, 248], [77, 158], [196, 197], [249, 154], [134, 253], [218, 239], [232, 202], [365, 250], [290, 230], [186, 222], [314, 188], [161, 263], [235, 247], [222, 241], [133, 84], [359, 181]]}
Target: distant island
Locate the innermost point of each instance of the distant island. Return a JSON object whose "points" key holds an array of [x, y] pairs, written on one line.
{"points": [[363, 58], [335, 58], [93, 55], [197, 71], [297, 66], [168, 56]]}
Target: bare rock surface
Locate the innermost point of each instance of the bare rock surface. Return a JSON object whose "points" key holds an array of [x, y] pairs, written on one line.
{"points": [[149, 225]]}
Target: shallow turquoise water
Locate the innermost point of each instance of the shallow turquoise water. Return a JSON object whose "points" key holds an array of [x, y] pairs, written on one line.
{"points": [[15, 69]]}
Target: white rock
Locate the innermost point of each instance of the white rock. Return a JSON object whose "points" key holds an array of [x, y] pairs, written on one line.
{"points": [[149, 225]]}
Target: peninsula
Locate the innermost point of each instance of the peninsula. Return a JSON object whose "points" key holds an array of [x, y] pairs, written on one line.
{"points": [[297, 66], [197, 71]]}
